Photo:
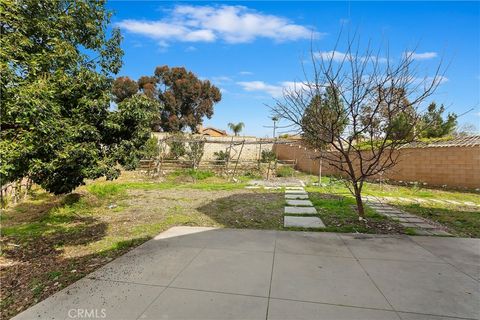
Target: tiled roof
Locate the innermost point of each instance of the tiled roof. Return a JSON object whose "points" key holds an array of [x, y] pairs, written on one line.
{"points": [[467, 141]]}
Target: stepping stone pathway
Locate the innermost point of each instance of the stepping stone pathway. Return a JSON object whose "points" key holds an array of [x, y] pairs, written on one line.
{"points": [[424, 201], [299, 203], [296, 196], [419, 225], [299, 211]]}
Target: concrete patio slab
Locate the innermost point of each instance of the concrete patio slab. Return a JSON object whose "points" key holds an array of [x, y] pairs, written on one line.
{"points": [[324, 279], [99, 299], [393, 247], [460, 252], [191, 304], [283, 310], [418, 316], [254, 274], [299, 203], [296, 196], [232, 239], [300, 210], [314, 243], [141, 265], [220, 270], [424, 287], [302, 222]]}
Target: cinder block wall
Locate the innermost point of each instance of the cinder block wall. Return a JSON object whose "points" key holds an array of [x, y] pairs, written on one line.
{"points": [[457, 167], [251, 149]]}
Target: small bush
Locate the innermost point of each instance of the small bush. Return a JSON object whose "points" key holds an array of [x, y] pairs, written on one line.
{"points": [[195, 151], [150, 149], [177, 147], [221, 156], [285, 172], [268, 156]]}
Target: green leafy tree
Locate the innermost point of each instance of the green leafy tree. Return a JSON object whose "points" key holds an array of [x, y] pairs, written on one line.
{"points": [[186, 99], [323, 119], [433, 125], [57, 64], [236, 127]]}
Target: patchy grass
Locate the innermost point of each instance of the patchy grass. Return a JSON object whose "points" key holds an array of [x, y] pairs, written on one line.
{"points": [[51, 241], [335, 186], [286, 171], [339, 215], [461, 221]]}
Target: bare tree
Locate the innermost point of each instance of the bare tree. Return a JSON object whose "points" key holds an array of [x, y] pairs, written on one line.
{"points": [[359, 108]]}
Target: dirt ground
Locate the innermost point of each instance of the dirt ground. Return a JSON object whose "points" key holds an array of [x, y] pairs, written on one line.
{"points": [[46, 249]]}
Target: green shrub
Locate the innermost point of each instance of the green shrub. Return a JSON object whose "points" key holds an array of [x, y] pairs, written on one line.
{"points": [[285, 172], [150, 149], [268, 156], [221, 156], [177, 147], [195, 151]]}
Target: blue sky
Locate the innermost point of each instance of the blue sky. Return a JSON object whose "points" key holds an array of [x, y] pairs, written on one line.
{"points": [[251, 50]]}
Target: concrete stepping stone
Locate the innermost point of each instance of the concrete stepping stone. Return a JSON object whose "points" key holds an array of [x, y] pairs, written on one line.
{"points": [[299, 203], [296, 196], [426, 226], [410, 220], [303, 222], [294, 188], [409, 224], [295, 192], [421, 232], [439, 233], [300, 210]]}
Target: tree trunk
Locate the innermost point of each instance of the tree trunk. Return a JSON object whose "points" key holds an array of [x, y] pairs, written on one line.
{"points": [[358, 199]]}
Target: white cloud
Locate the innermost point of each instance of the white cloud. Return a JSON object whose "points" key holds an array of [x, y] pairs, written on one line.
{"points": [[276, 91], [221, 79], [421, 56], [232, 24], [428, 80], [245, 73], [338, 56]]}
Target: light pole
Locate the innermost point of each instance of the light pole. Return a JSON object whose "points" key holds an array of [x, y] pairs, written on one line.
{"points": [[274, 119]]}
